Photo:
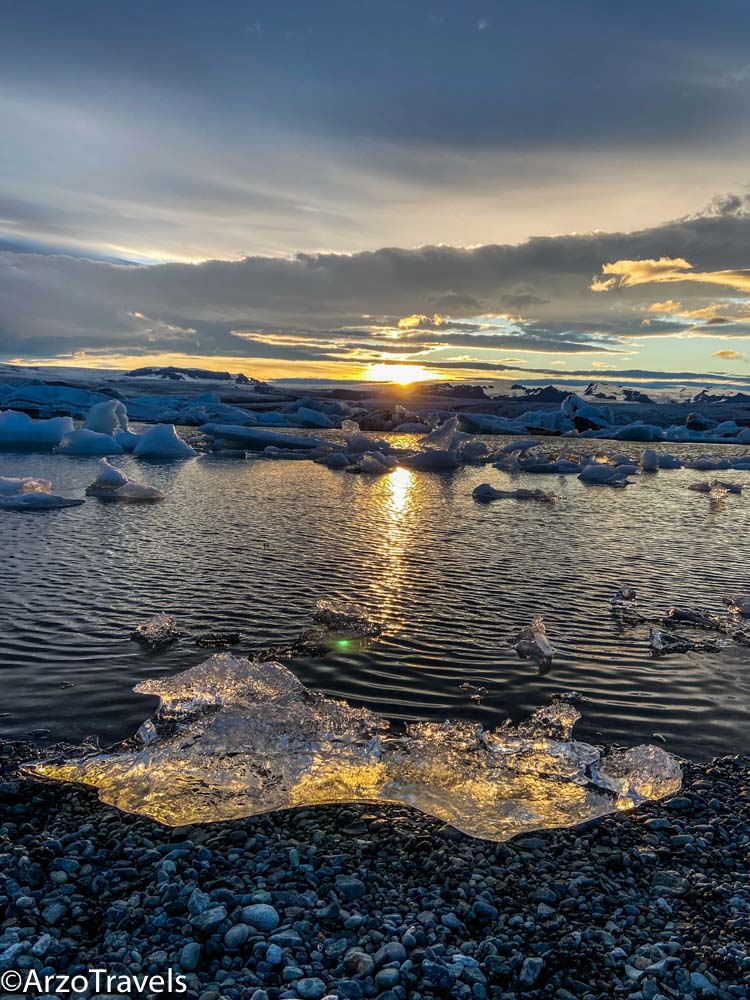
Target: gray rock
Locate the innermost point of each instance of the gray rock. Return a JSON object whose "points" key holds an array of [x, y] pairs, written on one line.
{"points": [[261, 916], [209, 918], [349, 888], [530, 971], [190, 956], [236, 936], [311, 988]]}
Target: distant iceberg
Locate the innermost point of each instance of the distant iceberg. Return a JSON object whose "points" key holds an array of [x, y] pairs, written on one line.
{"points": [[18, 430], [235, 738]]}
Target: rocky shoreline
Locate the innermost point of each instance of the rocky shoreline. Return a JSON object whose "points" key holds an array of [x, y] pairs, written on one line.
{"points": [[354, 902]]}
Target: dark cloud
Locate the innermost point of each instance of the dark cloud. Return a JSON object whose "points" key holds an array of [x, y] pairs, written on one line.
{"points": [[54, 303]]}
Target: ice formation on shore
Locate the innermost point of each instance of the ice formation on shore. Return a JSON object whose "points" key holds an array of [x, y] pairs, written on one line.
{"points": [[234, 738], [113, 484]]}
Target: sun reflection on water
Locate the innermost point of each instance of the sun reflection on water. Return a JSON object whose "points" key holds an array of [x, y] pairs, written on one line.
{"points": [[395, 498]]}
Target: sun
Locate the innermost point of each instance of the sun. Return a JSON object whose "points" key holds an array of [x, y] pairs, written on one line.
{"points": [[400, 374]]}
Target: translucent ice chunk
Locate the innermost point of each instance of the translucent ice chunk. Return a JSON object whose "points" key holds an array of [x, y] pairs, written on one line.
{"points": [[531, 643], [234, 738], [156, 633], [345, 616]]}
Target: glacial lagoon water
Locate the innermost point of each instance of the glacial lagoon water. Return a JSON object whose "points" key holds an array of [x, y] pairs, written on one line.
{"points": [[250, 546]]}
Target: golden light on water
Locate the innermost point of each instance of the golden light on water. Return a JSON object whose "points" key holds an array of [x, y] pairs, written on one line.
{"points": [[400, 374]]}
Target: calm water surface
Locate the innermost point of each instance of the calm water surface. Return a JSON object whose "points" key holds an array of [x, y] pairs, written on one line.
{"points": [[250, 546]]}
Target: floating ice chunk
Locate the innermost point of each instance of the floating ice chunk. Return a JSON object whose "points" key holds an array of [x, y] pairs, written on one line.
{"points": [[739, 605], [446, 437], [112, 484], [158, 632], [664, 643], [18, 430], [374, 462], [602, 474], [256, 439], [716, 486], [127, 440], [108, 477], [520, 447], [698, 619], [708, 463], [357, 441], [137, 493], [475, 692], [11, 487], [345, 616], [509, 462], [107, 417], [433, 460], [531, 643], [473, 451], [37, 503], [624, 596], [162, 441], [669, 462], [84, 442], [235, 738], [649, 460], [305, 417], [638, 431], [336, 460], [486, 492]]}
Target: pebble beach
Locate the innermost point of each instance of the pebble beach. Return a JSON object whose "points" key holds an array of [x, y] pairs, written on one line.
{"points": [[382, 902]]}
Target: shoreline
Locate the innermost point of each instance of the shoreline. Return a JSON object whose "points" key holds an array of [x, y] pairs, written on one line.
{"points": [[384, 902]]}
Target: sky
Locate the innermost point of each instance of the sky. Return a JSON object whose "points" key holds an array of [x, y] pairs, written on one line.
{"points": [[378, 190]]}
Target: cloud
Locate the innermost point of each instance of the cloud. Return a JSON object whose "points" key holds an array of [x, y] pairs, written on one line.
{"points": [[627, 273], [487, 301], [729, 355]]}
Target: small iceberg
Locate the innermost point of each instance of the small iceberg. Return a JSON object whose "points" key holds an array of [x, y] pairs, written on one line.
{"points": [[162, 441], [112, 484], [234, 738], [531, 643], [37, 503], [85, 442], [716, 487], [157, 633], [13, 487], [605, 474], [18, 430], [624, 596], [665, 643], [485, 492]]}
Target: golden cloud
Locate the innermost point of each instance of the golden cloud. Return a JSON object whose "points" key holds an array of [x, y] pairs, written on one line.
{"points": [[626, 273], [728, 355]]}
